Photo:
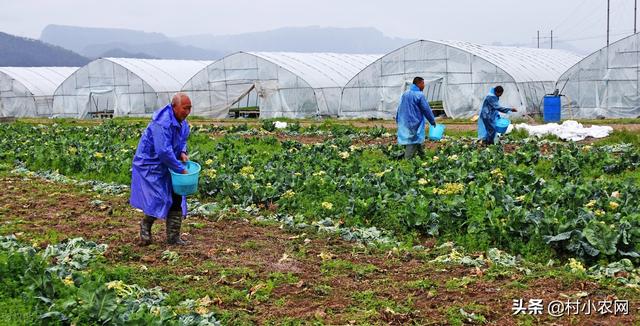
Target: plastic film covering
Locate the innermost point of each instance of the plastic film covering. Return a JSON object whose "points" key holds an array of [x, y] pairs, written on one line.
{"points": [[459, 74], [28, 91], [122, 86], [605, 83], [280, 84]]}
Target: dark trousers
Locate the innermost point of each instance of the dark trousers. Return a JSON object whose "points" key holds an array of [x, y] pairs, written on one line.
{"points": [[411, 150], [176, 205]]}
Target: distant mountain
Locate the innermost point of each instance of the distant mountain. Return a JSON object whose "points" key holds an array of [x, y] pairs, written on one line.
{"points": [[120, 53], [24, 52], [94, 42], [77, 38], [301, 39], [163, 50]]}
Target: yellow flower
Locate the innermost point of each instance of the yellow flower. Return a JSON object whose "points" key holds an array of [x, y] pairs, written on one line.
{"points": [[155, 310], [382, 173], [599, 212], [68, 281], [72, 150], [334, 146], [208, 162], [297, 174], [235, 185], [211, 173], [449, 189], [615, 194], [576, 266], [591, 204], [453, 158], [436, 159], [327, 206], [319, 173], [422, 182], [344, 155], [613, 205], [247, 170], [587, 148], [288, 194], [202, 310], [520, 198], [98, 155], [252, 177]]}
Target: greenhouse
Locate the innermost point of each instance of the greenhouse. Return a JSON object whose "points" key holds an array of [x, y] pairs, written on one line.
{"points": [[277, 84], [122, 87], [605, 83], [28, 91], [459, 74]]}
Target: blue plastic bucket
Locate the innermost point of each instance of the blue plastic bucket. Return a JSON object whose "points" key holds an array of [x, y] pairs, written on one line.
{"points": [[186, 184], [437, 132], [502, 124], [552, 108]]}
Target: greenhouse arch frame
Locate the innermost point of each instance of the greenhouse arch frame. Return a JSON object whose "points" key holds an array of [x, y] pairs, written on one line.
{"points": [[464, 71], [281, 84]]}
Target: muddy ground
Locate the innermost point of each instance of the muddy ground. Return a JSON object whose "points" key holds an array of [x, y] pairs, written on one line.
{"points": [[242, 265]]}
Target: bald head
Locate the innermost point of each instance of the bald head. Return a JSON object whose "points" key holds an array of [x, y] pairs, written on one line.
{"points": [[181, 104]]}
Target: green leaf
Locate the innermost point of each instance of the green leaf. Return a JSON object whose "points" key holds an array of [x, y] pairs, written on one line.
{"points": [[602, 237]]}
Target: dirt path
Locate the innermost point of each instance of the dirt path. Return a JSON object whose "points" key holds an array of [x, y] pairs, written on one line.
{"points": [[236, 262]]}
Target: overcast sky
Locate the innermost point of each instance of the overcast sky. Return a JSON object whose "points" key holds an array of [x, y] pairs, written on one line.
{"points": [[582, 22]]}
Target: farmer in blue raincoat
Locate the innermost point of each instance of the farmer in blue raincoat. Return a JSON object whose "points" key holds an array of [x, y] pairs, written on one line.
{"points": [[489, 115], [163, 146], [412, 113]]}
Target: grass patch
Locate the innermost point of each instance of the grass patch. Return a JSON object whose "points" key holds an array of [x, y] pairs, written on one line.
{"points": [[340, 267]]}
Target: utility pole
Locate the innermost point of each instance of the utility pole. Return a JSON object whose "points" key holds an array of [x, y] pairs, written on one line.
{"points": [[635, 15], [539, 39], [552, 39], [608, 14]]}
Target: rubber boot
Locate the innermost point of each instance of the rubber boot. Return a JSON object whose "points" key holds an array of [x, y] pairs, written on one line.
{"points": [[174, 222], [145, 230]]}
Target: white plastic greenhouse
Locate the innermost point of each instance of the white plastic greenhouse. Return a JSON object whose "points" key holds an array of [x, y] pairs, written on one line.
{"points": [[122, 86], [28, 91], [605, 83], [280, 84], [459, 74]]}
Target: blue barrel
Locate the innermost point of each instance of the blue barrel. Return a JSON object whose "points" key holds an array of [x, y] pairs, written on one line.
{"points": [[552, 108]]}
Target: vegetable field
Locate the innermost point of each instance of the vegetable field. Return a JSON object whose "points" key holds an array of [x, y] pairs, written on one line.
{"points": [[319, 224]]}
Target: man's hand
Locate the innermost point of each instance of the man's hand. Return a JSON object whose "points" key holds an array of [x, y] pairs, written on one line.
{"points": [[184, 172], [184, 157], [514, 110]]}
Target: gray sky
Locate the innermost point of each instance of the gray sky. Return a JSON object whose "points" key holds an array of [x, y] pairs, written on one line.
{"points": [[583, 22]]}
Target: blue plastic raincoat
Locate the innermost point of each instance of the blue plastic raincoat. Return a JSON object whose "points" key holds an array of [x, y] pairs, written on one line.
{"points": [[158, 151], [412, 112], [489, 115]]}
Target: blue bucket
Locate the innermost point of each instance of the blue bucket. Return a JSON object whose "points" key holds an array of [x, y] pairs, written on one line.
{"points": [[437, 132], [186, 184], [502, 124]]}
